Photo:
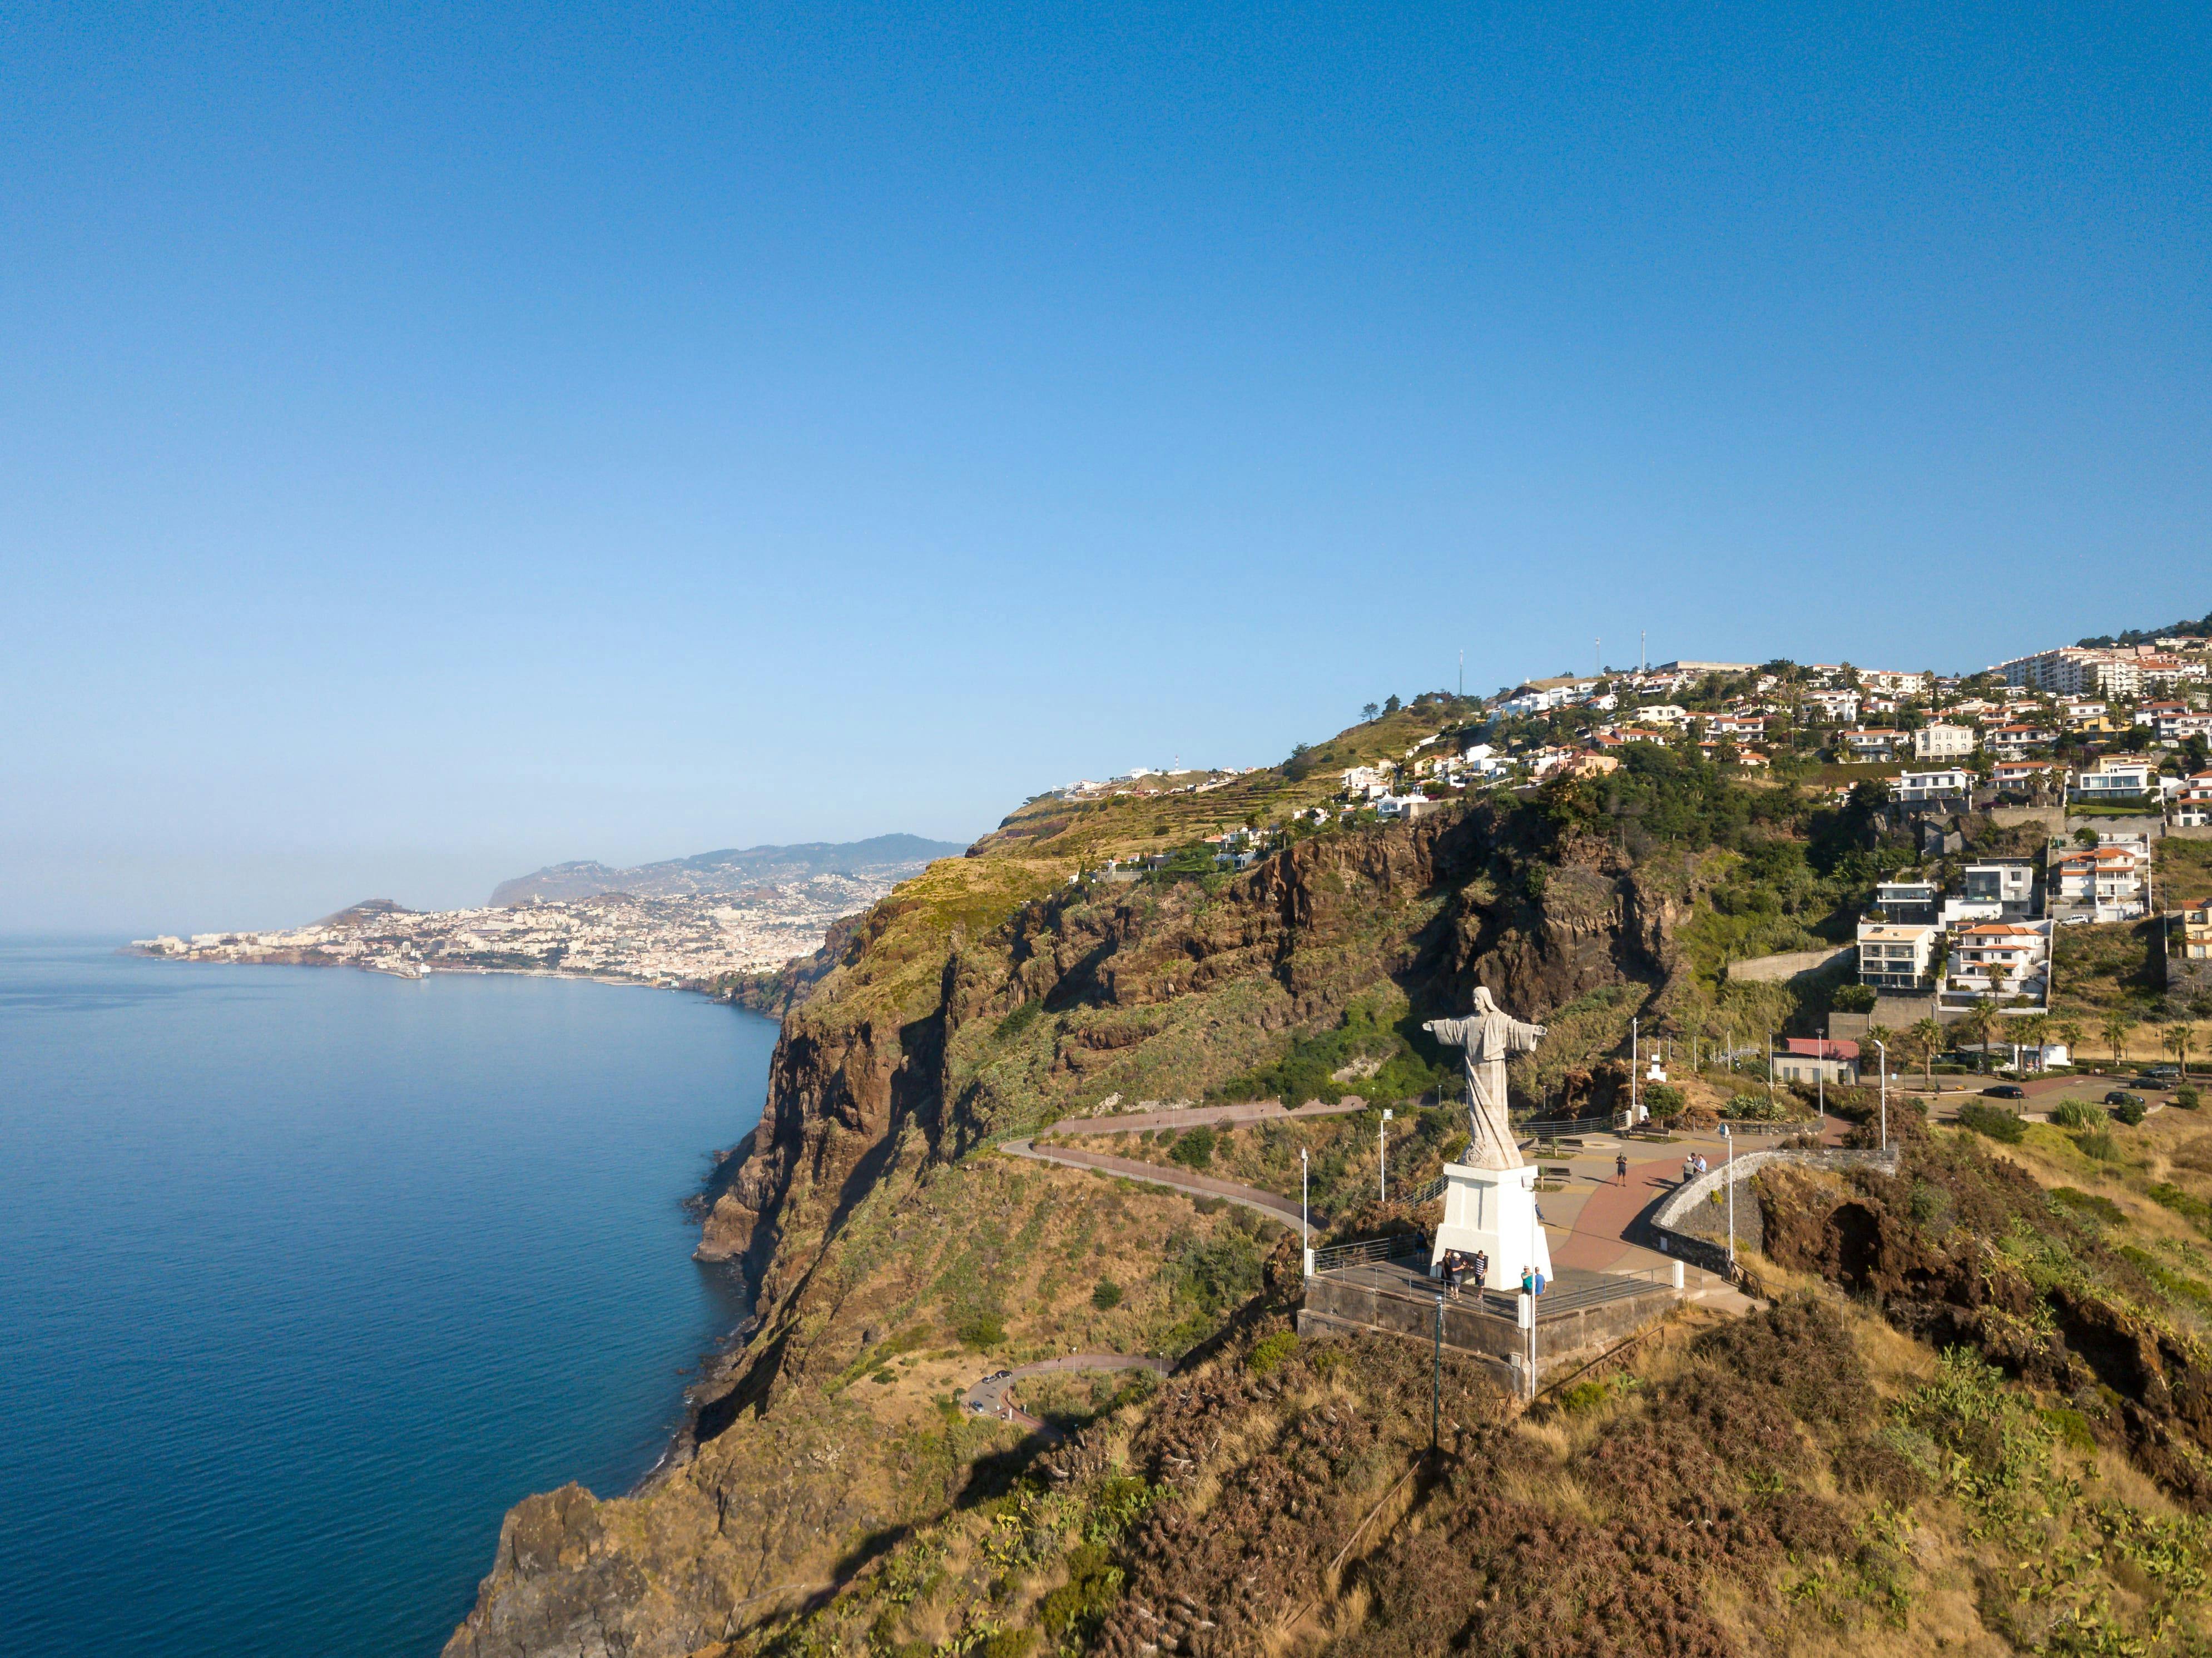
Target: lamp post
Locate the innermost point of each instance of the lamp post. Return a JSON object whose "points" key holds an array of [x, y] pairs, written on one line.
{"points": [[1884, 1048], [1436, 1376], [1305, 1231], [1633, 1116], [1382, 1156], [1729, 1176]]}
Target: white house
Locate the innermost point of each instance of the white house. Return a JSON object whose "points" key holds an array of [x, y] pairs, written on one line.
{"points": [[1874, 743], [2002, 959], [2114, 777], [1942, 743], [1834, 705], [1953, 783], [1897, 956]]}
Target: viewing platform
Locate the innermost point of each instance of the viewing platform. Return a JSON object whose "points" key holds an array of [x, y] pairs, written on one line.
{"points": [[1580, 1314]]}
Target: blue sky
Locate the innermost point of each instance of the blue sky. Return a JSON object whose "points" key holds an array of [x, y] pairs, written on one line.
{"points": [[436, 441]]}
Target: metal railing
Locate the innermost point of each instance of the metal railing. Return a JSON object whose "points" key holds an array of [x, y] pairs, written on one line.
{"points": [[1435, 1188], [1550, 1128], [1397, 1247]]}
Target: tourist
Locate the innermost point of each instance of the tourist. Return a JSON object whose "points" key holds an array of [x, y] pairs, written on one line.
{"points": [[1481, 1269], [1704, 1168], [1620, 1169], [1528, 1280]]}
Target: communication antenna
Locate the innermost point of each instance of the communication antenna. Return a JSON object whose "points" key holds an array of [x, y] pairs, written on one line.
{"points": [[1597, 657], [1643, 654]]}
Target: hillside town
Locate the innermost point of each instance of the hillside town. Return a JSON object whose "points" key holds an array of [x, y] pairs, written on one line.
{"points": [[675, 943]]}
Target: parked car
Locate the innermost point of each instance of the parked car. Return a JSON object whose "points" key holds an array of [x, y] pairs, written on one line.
{"points": [[2006, 1091], [2121, 1097]]}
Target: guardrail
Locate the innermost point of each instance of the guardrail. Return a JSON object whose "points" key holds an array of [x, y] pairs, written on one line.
{"points": [[1397, 1247], [1435, 1188], [1552, 1128]]}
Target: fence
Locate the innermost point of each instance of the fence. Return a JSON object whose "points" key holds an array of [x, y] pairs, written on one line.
{"points": [[1399, 1246]]}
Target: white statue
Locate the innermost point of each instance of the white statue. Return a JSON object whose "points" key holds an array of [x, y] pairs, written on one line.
{"points": [[1487, 1035]]}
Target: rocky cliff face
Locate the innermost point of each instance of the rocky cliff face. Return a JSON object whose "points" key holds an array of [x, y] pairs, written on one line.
{"points": [[994, 994]]}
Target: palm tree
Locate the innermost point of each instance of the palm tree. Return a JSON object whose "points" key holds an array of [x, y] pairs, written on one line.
{"points": [[2115, 1030], [1927, 1039], [1981, 1023], [2033, 1030], [2069, 1032], [2178, 1041], [1883, 1035]]}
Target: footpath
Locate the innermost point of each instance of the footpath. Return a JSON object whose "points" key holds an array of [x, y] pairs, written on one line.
{"points": [[989, 1396], [1285, 1210]]}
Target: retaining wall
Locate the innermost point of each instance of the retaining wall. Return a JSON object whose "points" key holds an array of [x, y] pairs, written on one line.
{"points": [[1773, 970], [1692, 1228], [1335, 1303]]}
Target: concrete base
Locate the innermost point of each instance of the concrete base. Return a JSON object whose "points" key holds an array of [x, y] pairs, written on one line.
{"points": [[1492, 1210]]}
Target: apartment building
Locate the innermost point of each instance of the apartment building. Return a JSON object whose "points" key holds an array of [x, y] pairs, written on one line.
{"points": [[2108, 882], [2012, 740], [2006, 959], [2115, 777], [1893, 957], [2075, 671]]}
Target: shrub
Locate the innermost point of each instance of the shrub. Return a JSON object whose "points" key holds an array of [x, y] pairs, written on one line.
{"points": [[1664, 1101], [2077, 1113], [1994, 1123], [2098, 1142], [1756, 1107], [1106, 1297], [1269, 1353], [1193, 1148], [2088, 1203], [2185, 1097], [984, 1332], [2167, 1195], [2130, 1112]]}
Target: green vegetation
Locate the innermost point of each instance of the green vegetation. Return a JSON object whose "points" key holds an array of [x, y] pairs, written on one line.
{"points": [[1384, 1065], [2077, 1113], [1268, 1353], [1993, 1121], [2088, 1203], [1194, 1149], [1107, 1296], [2106, 970]]}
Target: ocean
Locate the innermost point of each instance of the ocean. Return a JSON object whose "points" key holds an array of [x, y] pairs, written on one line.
{"points": [[307, 1274]]}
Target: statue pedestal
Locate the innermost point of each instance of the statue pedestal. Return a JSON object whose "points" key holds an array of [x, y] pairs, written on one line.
{"points": [[1492, 1210]]}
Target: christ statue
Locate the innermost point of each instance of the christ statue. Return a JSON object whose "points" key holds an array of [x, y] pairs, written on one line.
{"points": [[1487, 1035]]}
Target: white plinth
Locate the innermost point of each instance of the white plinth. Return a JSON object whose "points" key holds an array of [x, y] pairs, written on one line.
{"points": [[1492, 1210]]}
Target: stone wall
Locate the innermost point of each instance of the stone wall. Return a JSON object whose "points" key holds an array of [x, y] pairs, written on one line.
{"points": [[1692, 1227], [1773, 970]]}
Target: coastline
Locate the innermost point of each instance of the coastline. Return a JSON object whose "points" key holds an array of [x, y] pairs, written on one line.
{"points": [[297, 958]]}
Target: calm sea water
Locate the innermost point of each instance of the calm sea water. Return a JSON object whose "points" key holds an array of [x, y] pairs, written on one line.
{"points": [[305, 1275]]}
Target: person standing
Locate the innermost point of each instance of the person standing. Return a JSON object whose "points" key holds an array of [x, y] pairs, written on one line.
{"points": [[1620, 1169]]}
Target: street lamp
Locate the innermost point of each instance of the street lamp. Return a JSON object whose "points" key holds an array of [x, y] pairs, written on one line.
{"points": [[1884, 1047], [1382, 1156], [1305, 1232], [1729, 1177]]}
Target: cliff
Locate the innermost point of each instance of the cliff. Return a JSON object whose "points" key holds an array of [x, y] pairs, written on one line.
{"points": [[992, 994]]}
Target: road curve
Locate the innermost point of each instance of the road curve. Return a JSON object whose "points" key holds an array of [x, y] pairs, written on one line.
{"points": [[1285, 1210], [989, 1396]]}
